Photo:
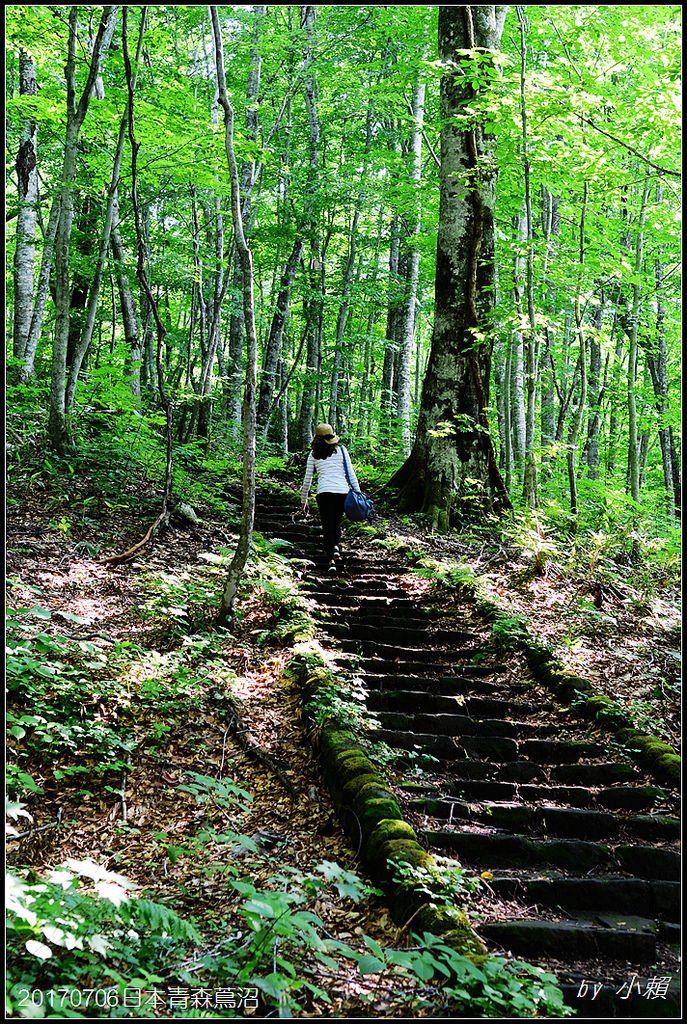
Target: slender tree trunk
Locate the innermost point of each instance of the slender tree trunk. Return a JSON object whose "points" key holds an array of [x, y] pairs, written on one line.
{"points": [[591, 452], [85, 336], [413, 273], [582, 363], [141, 270], [517, 346], [235, 351], [132, 334], [27, 198], [499, 366], [391, 338], [529, 486], [632, 331], [314, 306], [657, 362], [615, 400], [337, 414], [507, 417], [273, 349], [551, 224], [76, 113], [240, 558]]}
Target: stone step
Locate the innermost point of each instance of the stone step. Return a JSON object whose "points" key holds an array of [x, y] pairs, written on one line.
{"points": [[574, 796], [595, 774], [473, 683], [610, 892], [561, 822], [378, 620], [396, 682], [376, 604], [427, 700], [355, 589], [407, 700], [577, 856], [559, 751], [462, 725], [503, 707], [500, 750], [387, 669], [393, 653], [390, 635], [573, 940]]}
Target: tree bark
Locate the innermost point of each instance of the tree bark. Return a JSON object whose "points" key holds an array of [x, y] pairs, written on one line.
{"points": [[591, 452], [314, 306], [657, 362], [453, 456], [273, 349], [573, 434], [517, 347], [76, 113], [391, 336], [85, 335], [130, 324], [529, 483], [141, 271], [27, 198], [407, 334], [238, 562], [631, 327]]}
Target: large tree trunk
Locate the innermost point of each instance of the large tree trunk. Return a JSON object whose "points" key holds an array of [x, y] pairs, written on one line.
{"points": [[27, 198], [453, 456]]}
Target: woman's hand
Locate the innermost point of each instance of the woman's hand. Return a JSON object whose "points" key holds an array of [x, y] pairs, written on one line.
{"points": [[304, 508]]}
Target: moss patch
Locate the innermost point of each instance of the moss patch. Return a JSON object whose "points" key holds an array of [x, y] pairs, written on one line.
{"points": [[373, 818]]}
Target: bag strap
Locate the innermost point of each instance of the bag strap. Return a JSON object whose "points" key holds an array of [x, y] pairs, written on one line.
{"points": [[348, 479]]}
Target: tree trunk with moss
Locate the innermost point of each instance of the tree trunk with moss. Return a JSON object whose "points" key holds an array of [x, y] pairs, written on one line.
{"points": [[452, 469]]}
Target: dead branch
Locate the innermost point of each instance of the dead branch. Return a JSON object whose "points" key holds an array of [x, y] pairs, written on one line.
{"points": [[161, 522], [252, 747]]}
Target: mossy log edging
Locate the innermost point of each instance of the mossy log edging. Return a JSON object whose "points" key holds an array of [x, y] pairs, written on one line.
{"points": [[372, 818], [658, 758]]}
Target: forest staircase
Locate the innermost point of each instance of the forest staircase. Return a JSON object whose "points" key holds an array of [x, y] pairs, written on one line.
{"points": [[582, 846]]}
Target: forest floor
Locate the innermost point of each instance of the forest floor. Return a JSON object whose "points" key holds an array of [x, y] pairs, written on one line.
{"points": [[629, 647], [156, 665], [136, 821]]}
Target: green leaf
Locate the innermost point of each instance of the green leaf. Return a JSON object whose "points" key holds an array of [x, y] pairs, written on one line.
{"points": [[370, 965]]}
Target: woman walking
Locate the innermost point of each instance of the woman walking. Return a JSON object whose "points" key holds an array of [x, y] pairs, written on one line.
{"points": [[335, 476]]}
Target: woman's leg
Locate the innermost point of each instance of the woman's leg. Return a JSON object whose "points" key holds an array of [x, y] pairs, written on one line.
{"points": [[331, 515]]}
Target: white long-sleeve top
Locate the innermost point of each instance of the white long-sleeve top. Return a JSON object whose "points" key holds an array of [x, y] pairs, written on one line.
{"points": [[330, 474]]}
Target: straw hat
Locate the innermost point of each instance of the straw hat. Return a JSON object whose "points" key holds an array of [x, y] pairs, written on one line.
{"points": [[325, 431]]}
